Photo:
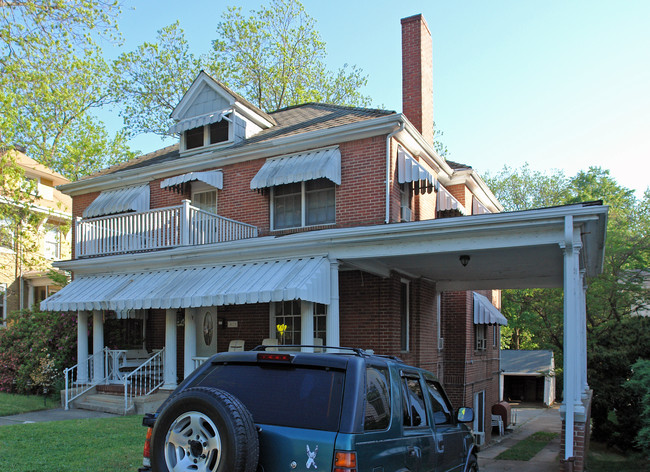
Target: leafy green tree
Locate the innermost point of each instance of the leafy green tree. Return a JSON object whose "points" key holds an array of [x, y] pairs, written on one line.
{"points": [[639, 385], [274, 58], [52, 77]]}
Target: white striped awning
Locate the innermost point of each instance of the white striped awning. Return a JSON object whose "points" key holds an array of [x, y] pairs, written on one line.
{"points": [[410, 170], [486, 313], [120, 200], [446, 201], [196, 121], [324, 163], [478, 208], [213, 178], [229, 284]]}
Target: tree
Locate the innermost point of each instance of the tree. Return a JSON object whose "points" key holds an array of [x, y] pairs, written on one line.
{"points": [[612, 298], [274, 58], [52, 78]]}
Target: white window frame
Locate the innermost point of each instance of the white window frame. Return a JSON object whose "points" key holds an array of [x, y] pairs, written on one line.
{"points": [[202, 188], [47, 244], [303, 209], [273, 312], [480, 342], [406, 202], [206, 138]]}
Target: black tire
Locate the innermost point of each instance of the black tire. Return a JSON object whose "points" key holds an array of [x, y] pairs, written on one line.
{"points": [[204, 429], [472, 464]]}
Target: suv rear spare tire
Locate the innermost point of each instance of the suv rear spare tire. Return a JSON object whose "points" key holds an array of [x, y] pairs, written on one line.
{"points": [[205, 429]]}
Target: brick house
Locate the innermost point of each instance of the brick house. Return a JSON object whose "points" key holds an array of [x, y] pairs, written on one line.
{"points": [[341, 223], [26, 260]]}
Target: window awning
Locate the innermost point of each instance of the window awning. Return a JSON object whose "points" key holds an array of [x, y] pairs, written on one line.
{"points": [[446, 201], [324, 163], [196, 121], [231, 284], [410, 170], [213, 178], [120, 200], [478, 208], [486, 313]]}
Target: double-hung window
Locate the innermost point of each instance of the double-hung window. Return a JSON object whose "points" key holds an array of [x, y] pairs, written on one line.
{"points": [[301, 204]]}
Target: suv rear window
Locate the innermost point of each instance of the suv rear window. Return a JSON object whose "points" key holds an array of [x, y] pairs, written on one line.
{"points": [[298, 397]]}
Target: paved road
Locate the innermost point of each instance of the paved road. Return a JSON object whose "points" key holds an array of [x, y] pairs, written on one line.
{"points": [[56, 414], [529, 421]]}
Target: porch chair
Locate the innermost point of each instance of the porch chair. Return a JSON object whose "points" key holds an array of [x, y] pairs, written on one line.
{"points": [[497, 421], [270, 342], [236, 345], [318, 342]]}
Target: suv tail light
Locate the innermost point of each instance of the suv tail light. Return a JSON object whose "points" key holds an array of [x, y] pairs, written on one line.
{"points": [[146, 453], [345, 461]]}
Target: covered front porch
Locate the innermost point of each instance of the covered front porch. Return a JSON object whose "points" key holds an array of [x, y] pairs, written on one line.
{"points": [[554, 247]]}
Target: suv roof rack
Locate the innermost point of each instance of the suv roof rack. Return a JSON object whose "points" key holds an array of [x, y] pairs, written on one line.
{"points": [[358, 351]]}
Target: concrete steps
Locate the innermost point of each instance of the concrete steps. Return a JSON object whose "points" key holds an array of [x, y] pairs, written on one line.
{"points": [[106, 403]]}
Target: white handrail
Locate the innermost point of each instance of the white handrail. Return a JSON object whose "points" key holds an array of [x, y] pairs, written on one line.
{"points": [[155, 229], [145, 379], [79, 381]]}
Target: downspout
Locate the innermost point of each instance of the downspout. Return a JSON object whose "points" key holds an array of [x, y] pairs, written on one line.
{"points": [[388, 138]]}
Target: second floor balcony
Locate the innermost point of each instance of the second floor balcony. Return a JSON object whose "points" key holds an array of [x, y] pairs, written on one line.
{"points": [[161, 228]]}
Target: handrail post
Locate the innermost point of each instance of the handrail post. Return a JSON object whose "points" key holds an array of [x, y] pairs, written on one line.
{"points": [[65, 373], [185, 223], [77, 243]]}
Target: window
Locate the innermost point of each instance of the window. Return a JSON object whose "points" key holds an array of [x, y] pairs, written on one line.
{"points": [[405, 209], [6, 234], [213, 133], [303, 204], [495, 335], [377, 410], [404, 315], [413, 403], [288, 313], [52, 243], [442, 410], [206, 200], [480, 331]]}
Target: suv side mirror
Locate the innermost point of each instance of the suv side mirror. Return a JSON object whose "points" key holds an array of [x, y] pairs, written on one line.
{"points": [[465, 415]]}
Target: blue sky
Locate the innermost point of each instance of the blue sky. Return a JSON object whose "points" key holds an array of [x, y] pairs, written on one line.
{"points": [[557, 84]]}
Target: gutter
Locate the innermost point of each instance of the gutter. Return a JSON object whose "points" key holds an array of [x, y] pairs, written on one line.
{"points": [[388, 138]]}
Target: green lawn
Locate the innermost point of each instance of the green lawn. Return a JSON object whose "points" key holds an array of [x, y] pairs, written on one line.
{"points": [[12, 404], [98, 445], [602, 459], [527, 448]]}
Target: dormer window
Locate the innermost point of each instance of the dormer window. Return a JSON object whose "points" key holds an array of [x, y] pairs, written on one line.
{"points": [[213, 133]]}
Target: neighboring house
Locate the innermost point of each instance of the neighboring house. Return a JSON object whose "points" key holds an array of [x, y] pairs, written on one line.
{"points": [[528, 376], [26, 260], [341, 223]]}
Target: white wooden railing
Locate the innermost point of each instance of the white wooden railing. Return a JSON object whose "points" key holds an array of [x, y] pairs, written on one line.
{"points": [[144, 380], [198, 361], [181, 225]]}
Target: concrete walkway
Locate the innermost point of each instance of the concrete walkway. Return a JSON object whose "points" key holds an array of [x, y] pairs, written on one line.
{"points": [[529, 421], [55, 414]]}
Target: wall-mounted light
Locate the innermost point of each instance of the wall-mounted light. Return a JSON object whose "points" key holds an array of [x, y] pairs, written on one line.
{"points": [[464, 259]]}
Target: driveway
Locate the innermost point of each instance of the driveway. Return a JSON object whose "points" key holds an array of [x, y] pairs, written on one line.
{"points": [[530, 419]]}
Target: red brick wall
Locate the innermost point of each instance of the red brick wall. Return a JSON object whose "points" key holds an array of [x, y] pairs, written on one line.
{"points": [[417, 75], [252, 325], [463, 195]]}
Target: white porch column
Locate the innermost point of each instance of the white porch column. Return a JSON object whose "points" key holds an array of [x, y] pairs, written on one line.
{"points": [[190, 341], [501, 386], [333, 333], [98, 345], [307, 323], [170, 350], [572, 405], [82, 346], [584, 387]]}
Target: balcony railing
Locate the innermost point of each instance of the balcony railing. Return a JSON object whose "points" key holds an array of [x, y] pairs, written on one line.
{"points": [[182, 225]]}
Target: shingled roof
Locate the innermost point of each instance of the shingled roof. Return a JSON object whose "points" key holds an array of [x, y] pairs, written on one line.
{"points": [[290, 121]]}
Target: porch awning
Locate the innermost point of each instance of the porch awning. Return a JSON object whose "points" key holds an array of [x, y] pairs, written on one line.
{"points": [[109, 202], [446, 201], [288, 169], [197, 121], [486, 313], [233, 284], [213, 178], [410, 170]]}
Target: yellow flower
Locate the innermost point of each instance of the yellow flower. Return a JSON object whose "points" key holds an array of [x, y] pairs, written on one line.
{"points": [[281, 328]]}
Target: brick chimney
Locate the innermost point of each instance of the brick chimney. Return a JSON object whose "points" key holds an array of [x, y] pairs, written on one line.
{"points": [[417, 75]]}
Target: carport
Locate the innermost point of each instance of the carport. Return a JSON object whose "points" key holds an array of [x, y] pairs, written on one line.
{"points": [[527, 376]]}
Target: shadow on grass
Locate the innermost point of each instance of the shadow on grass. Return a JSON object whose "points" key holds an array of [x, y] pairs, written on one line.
{"points": [[527, 448]]}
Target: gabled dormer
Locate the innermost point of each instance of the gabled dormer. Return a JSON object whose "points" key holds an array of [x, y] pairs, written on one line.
{"points": [[210, 115]]}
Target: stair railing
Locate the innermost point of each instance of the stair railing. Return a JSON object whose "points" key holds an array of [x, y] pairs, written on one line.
{"points": [[80, 378], [144, 380]]}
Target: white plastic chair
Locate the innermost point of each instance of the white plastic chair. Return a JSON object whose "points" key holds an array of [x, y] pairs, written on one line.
{"points": [[236, 345], [270, 342], [498, 422]]}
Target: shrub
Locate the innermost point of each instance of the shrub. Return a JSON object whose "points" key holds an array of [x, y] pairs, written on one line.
{"points": [[32, 339], [639, 385]]}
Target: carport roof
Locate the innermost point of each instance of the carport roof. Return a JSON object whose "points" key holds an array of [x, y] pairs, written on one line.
{"points": [[526, 362]]}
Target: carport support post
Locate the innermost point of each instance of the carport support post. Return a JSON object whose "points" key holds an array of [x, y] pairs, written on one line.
{"points": [[190, 341], [170, 350], [572, 406], [98, 346], [82, 347], [583, 334], [333, 335]]}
